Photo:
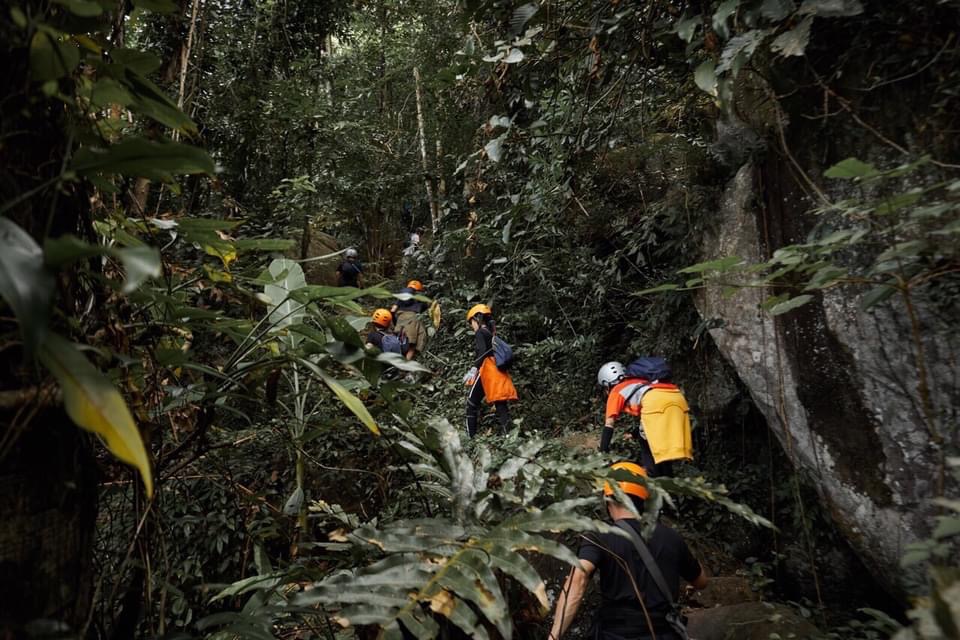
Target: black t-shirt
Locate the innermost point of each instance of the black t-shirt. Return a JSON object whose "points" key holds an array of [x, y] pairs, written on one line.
{"points": [[375, 337], [349, 272], [482, 345], [671, 553]]}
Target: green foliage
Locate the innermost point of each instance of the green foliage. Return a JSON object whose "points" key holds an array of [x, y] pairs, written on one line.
{"points": [[487, 512], [898, 239]]}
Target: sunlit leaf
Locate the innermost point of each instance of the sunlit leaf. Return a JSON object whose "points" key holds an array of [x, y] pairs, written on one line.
{"points": [[285, 311], [793, 42], [513, 57], [686, 27], [850, 168], [494, 149], [705, 76], [140, 264], [93, 403]]}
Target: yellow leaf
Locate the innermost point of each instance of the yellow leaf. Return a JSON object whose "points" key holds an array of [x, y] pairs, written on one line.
{"points": [[442, 602], [216, 275], [435, 314], [223, 250], [95, 404]]}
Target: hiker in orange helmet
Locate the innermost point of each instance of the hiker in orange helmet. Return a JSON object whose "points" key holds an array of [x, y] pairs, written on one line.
{"points": [[630, 568], [409, 322], [382, 336], [485, 379]]}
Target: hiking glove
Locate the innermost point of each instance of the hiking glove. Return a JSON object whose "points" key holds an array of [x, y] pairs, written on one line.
{"points": [[605, 437], [471, 376]]}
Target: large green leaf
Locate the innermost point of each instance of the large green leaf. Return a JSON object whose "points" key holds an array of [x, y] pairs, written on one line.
{"points": [[150, 100], [351, 401], [95, 404], [140, 262], [793, 42], [851, 168], [142, 62], [136, 156], [52, 56], [25, 283], [285, 311], [705, 77]]}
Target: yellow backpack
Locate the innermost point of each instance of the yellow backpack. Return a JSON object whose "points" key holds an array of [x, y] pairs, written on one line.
{"points": [[665, 416]]}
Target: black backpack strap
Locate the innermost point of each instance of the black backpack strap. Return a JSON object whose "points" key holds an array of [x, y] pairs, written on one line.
{"points": [[648, 560]]}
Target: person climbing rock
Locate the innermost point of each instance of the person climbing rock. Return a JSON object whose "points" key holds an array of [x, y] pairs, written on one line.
{"points": [[638, 594], [485, 379], [664, 432], [407, 314], [382, 336], [350, 271]]}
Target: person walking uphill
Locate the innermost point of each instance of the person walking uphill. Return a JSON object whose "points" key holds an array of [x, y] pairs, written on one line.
{"points": [[406, 313], [639, 579], [485, 379], [350, 271], [664, 432]]}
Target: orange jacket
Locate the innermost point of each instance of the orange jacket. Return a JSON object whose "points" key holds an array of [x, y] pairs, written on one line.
{"points": [[497, 385]]}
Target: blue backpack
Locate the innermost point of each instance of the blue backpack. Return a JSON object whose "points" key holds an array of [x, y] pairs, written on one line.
{"points": [[394, 344], [502, 353], [649, 368]]}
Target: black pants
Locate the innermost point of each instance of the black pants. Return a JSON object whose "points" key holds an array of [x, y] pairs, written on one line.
{"points": [[475, 399], [653, 469]]}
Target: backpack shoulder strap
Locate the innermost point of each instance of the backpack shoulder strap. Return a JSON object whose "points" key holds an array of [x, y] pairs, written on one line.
{"points": [[641, 389], [648, 560]]}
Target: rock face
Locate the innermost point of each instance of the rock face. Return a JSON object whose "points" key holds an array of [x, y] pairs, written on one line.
{"points": [[313, 243], [838, 385]]}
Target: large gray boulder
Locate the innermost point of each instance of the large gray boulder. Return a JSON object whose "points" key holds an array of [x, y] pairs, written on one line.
{"points": [[839, 387]]}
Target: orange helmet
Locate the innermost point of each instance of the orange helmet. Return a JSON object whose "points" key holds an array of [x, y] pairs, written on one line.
{"points": [[478, 308], [416, 285], [629, 488], [382, 318]]}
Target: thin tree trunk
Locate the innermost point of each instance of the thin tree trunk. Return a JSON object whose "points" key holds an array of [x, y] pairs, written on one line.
{"points": [[441, 181], [427, 180]]}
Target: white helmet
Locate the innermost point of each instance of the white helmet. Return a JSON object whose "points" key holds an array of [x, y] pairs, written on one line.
{"points": [[351, 253], [610, 374]]}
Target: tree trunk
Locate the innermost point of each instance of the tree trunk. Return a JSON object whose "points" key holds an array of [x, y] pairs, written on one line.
{"points": [[441, 182], [48, 498], [427, 179]]}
